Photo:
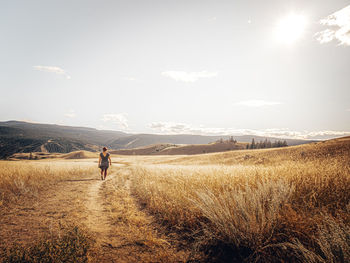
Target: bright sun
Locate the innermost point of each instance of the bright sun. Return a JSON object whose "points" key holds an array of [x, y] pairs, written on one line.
{"points": [[291, 28]]}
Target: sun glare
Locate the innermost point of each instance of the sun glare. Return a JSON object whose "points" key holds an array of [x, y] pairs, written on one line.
{"points": [[291, 28]]}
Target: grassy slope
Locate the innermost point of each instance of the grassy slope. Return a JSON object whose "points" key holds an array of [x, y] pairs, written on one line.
{"points": [[263, 205], [336, 148], [42, 155]]}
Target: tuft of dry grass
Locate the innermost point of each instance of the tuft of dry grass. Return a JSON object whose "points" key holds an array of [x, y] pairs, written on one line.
{"points": [[73, 245]]}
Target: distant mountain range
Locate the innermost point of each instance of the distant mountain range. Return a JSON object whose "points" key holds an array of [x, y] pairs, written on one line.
{"points": [[18, 136]]}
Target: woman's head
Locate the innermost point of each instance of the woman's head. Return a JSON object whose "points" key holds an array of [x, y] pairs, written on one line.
{"points": [[104, 149]]}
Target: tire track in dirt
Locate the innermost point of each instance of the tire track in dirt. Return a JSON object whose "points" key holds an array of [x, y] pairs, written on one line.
{"points": [[123, 232]]}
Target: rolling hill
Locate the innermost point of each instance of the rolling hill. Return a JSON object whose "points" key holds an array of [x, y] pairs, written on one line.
{"points": [[17, 136], [140, 140], [178, 149], [24, 137]]}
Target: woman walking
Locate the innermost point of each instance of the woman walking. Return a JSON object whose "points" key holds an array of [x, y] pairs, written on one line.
{"points": [[104, 162]]}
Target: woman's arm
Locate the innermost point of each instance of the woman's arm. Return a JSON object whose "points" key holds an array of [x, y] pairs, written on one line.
{"points": [[99, 161], [110, 161]]}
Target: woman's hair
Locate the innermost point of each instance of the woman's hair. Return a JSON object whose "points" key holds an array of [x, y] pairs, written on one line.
{"points": [[104, 149]]}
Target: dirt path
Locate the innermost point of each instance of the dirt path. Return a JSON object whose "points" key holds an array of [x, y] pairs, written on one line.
{"points": [[97, 220], [123, 232]]}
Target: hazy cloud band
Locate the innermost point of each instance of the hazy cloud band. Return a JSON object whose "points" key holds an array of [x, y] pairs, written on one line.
{"points": [[52, 69], [183, 128]]}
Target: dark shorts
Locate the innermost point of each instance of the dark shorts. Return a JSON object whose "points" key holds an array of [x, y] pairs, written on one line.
{"points": [[104, 167]]}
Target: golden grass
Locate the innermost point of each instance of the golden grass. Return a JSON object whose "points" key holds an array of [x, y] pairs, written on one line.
{"points": [[272, 206], [28, 178], [45, 155]]}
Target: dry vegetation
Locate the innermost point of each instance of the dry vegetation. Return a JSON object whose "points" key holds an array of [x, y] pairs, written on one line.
{"points": [[72, 246], [60, 211], [271, 205], [46, 155], [256, 206], [21, 187], [26, 179]]}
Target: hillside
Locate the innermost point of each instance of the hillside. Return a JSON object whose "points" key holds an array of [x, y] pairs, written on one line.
{"points": [[140, 140], [176, 149], [40, 131], [45, 155], [325, 150], [17, 137]]}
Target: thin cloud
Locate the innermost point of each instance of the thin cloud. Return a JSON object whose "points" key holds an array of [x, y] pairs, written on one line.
{"points": [[340, 31], [52, 69], [327, 134], [183, 128], [119, 119], [189, 76], [70, 114], [257, 103], [171, 128]]}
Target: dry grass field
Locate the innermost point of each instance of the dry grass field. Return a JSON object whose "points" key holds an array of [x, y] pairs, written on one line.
{"points": [[273, 205], [270, 205], [25, 179]]}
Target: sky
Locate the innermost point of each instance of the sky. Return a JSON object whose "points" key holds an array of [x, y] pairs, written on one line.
{"points": [[277, 68]]}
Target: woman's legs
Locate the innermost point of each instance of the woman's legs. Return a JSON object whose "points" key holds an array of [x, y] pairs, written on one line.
{"points": [[102, 173], [105, 173]]}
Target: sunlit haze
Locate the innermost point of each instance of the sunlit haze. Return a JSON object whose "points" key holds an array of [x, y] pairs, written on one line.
{"points": [[291, 28], [279, 68]]}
